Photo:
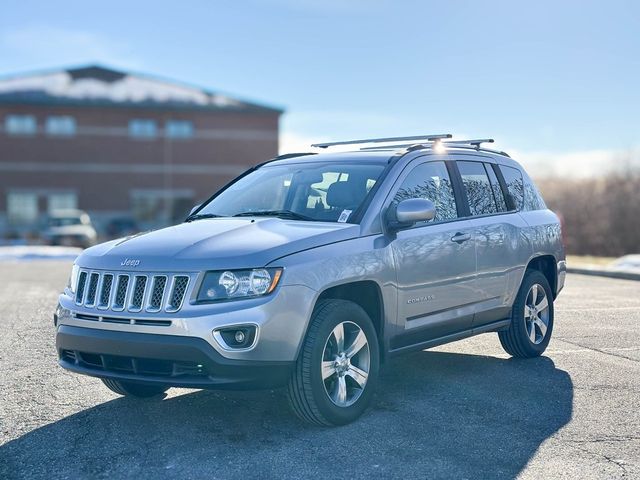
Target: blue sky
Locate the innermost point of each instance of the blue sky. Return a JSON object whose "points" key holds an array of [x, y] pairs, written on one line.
{"points": [[551, 80]]}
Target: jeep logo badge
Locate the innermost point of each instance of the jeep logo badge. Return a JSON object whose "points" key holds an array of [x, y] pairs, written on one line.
{"points": [[130, 262]]}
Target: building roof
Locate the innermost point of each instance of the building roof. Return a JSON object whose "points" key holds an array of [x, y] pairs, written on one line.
{"points": [[94, 85]]}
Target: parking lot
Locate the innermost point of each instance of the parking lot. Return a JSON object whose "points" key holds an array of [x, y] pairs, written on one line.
{"points": [[465, 410]]}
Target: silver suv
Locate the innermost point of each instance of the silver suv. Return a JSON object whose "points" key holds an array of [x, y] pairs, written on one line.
{"points": [[310, 270]]}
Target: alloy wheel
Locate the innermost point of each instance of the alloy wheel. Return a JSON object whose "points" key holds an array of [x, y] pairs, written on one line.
{"points": [[536, 313], [346, 360]]}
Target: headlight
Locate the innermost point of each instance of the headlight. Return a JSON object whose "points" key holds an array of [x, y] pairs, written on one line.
{"points": [[234, 284], [73, 278]]}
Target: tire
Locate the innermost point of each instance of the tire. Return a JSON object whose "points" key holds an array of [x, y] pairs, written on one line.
{"points": [[334, 396], [131, 389], [519, 340]]}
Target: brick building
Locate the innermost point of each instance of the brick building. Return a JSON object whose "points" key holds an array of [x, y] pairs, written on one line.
{"points": [[119, 144]]}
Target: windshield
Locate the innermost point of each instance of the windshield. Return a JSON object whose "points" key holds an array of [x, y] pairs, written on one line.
{"points": [[328, 192]]}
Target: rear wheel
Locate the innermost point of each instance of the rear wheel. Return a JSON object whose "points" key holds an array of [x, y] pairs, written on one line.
{"points": [[531, 318], [337, 370], [131, 389]]}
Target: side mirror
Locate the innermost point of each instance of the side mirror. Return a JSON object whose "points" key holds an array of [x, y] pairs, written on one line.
{"points": [[410, 211], [196, 207]]}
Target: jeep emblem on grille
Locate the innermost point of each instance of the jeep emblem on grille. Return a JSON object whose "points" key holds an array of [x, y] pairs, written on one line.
{"points": [[130, 262]]}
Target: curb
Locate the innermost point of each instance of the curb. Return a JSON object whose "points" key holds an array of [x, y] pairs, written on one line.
{"points": [[605, 273]]}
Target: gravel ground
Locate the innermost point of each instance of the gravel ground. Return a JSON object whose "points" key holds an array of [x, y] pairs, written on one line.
{"points": [[461, 411]]}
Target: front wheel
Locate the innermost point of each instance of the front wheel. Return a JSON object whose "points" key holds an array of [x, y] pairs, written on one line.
{"points": [[337, 369], [531, 318], [131, 389]]}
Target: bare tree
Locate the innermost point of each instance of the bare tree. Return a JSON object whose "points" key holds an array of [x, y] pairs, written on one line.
{"points": [[601, 216]]}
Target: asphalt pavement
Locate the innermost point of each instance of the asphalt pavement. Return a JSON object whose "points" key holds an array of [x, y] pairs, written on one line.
{"points": [[465, 410]]}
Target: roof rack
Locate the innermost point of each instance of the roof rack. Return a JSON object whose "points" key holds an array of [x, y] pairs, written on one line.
{"points": [[476, 143], [427, 138]]}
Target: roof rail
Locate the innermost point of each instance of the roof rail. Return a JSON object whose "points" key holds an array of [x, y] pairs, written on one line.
{"points": [[284, 156], [428, 138], [398, 146]]}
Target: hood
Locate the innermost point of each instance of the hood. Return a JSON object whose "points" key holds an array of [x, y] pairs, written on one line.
{"points": [[217, 243]]}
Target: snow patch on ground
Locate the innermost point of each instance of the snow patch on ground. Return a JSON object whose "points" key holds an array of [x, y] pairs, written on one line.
{"points": [[628, 263], [38, 252]]}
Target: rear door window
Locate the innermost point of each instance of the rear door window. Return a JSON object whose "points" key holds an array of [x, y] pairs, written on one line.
{"points": [[498, 195], [478, 188]]}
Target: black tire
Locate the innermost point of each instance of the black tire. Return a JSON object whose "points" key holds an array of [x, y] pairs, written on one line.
{"points": [[308, 396], [516, 340], [131, 389]]}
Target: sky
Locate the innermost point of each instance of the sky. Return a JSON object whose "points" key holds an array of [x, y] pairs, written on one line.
{"points": [[556, 83]]}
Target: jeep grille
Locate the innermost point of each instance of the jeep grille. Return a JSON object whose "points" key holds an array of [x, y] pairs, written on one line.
{"points": [[120, 291]]}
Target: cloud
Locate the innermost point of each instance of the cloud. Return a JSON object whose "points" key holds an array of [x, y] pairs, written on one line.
{"points": [[294, 143], [302, 128], [45, 45], [577, 164]]}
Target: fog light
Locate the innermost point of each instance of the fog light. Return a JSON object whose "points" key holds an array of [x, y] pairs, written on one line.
{"points": [[236, 337]]}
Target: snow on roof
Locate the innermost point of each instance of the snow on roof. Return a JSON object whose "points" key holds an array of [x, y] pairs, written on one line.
{"points": [[94, 84]]}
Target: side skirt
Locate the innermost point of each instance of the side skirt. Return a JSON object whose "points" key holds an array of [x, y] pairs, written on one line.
{"points": [[490, 327]]}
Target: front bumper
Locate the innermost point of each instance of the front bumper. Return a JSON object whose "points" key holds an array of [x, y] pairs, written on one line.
{"points": [[562, 275], [171, 360], [281, 320]]}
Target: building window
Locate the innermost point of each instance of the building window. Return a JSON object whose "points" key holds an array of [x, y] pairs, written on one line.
{"points": [[139, 128], [178, 129], [20, 124], [22, 208], [62, 201], [63, 125]]}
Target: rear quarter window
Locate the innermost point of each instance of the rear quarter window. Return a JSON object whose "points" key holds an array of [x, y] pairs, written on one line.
{"points": [[515, 185], [532, 198], [522, 190]]}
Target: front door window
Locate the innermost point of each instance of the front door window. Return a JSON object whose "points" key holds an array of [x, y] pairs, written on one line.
{"points": [[430, 181]]}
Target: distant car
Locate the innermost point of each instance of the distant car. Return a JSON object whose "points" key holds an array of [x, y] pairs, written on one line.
{"points": [[70, 228], [122, 227]]}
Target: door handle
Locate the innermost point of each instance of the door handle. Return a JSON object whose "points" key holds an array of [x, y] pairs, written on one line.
{"points": [[460, 237]]}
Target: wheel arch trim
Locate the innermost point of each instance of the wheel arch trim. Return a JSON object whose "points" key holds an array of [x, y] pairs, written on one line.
{"points": [[342, 291]]}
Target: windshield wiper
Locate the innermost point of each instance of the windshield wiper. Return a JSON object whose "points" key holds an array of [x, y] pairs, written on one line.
{"points": [[199, 216], [286, 214]]}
